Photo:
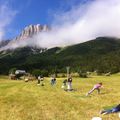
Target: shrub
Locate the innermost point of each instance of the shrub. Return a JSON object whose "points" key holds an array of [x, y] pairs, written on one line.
{"points": [[38, 72], [12, 70], [83, 75]]}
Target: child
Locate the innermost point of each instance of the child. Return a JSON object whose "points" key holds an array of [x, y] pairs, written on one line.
{"points": [[53, 81], [39, 77], [41, 80], [69, 83], [64, 83], [96, 87]]}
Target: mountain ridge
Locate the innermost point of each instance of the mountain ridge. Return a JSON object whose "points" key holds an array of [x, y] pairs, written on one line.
{"points": [[26, 33]]}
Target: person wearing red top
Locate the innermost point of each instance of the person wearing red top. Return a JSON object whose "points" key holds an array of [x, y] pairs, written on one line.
{"points": [[96, 87]]}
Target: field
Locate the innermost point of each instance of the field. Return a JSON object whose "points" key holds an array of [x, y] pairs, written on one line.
{"points": [[21, 100]]}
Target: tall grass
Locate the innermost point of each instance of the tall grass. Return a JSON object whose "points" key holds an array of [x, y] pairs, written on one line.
{"points": [[27, 101]]}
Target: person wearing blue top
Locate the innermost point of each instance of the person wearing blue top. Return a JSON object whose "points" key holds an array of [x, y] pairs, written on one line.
{"points": [[113, 110], [53, 81]]}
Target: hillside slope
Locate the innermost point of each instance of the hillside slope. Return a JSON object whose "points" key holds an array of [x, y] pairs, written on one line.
{"points": [[101, 54]]}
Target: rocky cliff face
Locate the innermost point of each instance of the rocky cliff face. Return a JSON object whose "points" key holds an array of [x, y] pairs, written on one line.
{"points": [[31, 30], [19, 41], [4, 43]]}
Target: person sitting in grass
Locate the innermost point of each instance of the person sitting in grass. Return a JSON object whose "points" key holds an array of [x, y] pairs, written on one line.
{"points": [[40, 80], [64, 84], [112, 110], [96, 87]]}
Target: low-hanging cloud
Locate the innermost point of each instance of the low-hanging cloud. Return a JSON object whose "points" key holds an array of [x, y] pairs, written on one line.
{"points": [[82, 23]]}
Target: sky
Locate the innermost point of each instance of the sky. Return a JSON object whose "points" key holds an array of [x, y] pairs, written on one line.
{"points": [[26, 12], [72, 21]]}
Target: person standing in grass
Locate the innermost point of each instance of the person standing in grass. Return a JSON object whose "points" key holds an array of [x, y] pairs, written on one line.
{"points": [[39, 77], [96, 87], [40, 80], [69, 84], [53, 81]]}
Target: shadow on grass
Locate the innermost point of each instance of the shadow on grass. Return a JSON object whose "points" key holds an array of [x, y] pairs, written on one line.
{"points": [[72, 90], [3, 86], [103, 93], [109, 107], [81, 96]]}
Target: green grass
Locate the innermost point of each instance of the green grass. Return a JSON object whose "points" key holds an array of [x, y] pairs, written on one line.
{"points": [[27, 101]]}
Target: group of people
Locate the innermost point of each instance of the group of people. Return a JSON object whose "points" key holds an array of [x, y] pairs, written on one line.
{"points": [[105, 111], [67, 85]]}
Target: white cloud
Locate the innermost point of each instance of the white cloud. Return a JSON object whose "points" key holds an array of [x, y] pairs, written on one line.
{"points": [[82, 23], [6, 17]]}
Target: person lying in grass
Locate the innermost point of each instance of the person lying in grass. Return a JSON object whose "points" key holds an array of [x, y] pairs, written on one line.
{"points": [[96, 87], [112, 110]]}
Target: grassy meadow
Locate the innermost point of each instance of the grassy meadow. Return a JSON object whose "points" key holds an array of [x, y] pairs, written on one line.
{"points": [[21, 100]]}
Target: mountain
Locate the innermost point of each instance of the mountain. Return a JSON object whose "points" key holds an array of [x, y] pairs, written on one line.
{"points": [[27, 32], [101, 54], [4, 43], [31, 30]]}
